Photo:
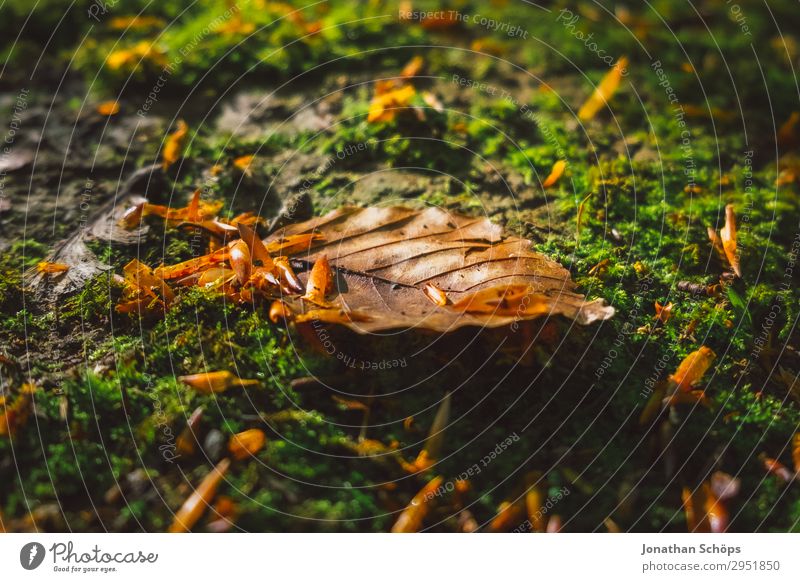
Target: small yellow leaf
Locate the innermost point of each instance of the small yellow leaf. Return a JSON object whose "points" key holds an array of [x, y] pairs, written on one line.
{"points": [[173, 147], [108, 108], [604, 90], [555, 173]]}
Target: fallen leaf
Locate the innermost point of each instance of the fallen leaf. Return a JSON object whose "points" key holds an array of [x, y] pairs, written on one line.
{"points": [[775, 467], [696, 520], [604, 91], [174, 144], [412, 517], [725, 242], [534, 502], [412, 68], [196, 504], [432, 450], [14, 414], [693, 368], [243, 164], [383, 107], [108, 108], [130, 59], [385, 257], [509, 515], [246, 444], [214, 382], [320, 282], [663, 312], [52, 268], [716, 512], [555, 174]]}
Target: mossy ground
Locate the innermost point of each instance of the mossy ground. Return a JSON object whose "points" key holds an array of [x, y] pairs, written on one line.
{"points": [[109, 405]]}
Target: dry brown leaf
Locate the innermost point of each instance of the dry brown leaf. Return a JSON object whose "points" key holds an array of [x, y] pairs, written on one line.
{"points": [[604, 91], [383, 258]]}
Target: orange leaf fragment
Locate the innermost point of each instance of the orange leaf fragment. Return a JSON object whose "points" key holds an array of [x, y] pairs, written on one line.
{"points": [[384, 107], [320, 282], [108, 108], [724, 243], [258, 252], [654, 404], [663, 312], [555, 174], [293, 243], [775, 467], [412, 517], [215, 382], [331, 316], [432, 450], [14, 415], [796, 452], [287, 276], [240, 261], [201, 498], [243, 164], [534, 502], [247, 443], [133, 57], [692, 368], [186, 443], [436, 295], [505, 300], [279, 311], [52, 268], [173, 147], [215, 276], [151, 285], [191, 266], [132, 217], [716, 512], [728, 236], [412, 68], [509, 514], [604, 90], [193, 208]]}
